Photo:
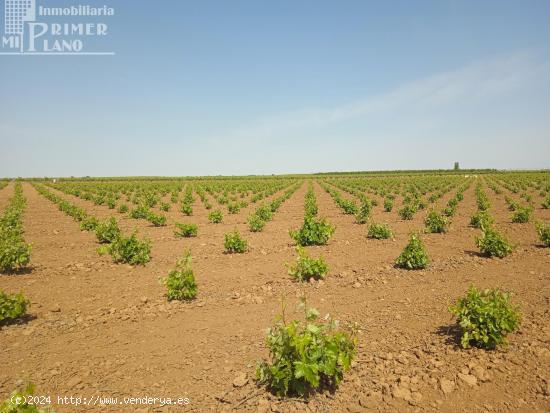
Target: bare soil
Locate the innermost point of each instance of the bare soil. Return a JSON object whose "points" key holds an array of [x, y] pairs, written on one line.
{"points": [[102, 329]]}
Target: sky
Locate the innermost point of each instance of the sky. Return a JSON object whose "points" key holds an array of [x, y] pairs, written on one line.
{"points": [[271, 87]]}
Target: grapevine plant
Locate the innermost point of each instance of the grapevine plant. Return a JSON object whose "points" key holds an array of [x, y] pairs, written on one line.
{"points": [[12, 306], [306, 267], [485, 317], [364, 212], [493, 243], [414, 255], [379, 231], [314, 231], [522, 214], [481, 219], [21, 401], [256, 223], [234, 243], [107, 231], [180, 282], [306, 356], [544, 233], [215, 216], [435, 222], [129, 250], [15, 253], [185, 230]]}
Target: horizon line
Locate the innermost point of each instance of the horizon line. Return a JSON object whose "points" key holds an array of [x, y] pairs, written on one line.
{"points": [[366, 172]]}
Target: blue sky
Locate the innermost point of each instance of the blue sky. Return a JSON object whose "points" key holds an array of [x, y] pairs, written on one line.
{"points": [[245, 87]]}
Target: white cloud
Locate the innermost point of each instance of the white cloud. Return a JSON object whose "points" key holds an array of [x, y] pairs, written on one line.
{"points": [[470, 84]]}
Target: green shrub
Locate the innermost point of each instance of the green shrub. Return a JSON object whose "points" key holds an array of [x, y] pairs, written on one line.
{"points": [[313, 232], [10, 222], [453, 202], [20, 401], [449, 211], [364, 211], [546, 203], [379, 231], [544, 233], [89, 224], [310, 205], [150, 199], [107, 231], [156, 220], [111, 203], [435, 222], [14, 253], [164, 206], [483, 203], [98, 200], [485, 317], [186, 209], [186, 230], [180, 282], [275, 204], [493, 244], [388, 204], [306, 356], [255, 223], [407, 212], [513, 205], [130, 250], [215, 216], [306, 267], [12, 306], [414, 255], [140, 212], [522, 214], [265, 213], [233, 208], [234, 243], [349, 207], [123, 208], [481, 219]]}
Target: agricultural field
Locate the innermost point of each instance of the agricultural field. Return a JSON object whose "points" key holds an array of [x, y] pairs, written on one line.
{"points": [[166, 287]]}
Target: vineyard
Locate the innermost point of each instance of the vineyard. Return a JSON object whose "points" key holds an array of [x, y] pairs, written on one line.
{"points": [[424, 291]]}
